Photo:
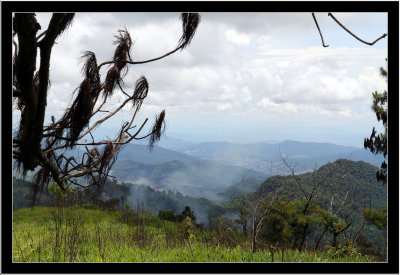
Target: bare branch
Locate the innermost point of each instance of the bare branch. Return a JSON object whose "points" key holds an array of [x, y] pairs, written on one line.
{"points": [[355, 36], [80, 173], [41, 35], [190, 22], [104, 118], [55, 172], [320, 33], [294, 176]]}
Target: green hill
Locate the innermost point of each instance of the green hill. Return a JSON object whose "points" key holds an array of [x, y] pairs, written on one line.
{"points": [[359, 179], [352, 184]]}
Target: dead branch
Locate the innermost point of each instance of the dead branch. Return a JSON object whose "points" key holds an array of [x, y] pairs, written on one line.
{"points": [[355, 36], [320, 33]]}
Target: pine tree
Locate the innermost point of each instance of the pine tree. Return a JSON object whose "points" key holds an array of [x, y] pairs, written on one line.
{"points": [[377, 143]]}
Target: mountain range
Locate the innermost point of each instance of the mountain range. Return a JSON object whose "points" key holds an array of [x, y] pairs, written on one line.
{"points": [[261, 157], [266, 157]]}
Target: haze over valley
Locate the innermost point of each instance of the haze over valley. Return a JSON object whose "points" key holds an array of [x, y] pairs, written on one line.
{"points": [[204, 169]]}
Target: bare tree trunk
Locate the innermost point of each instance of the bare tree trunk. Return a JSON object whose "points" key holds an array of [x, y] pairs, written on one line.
{"points": [[271, 249], [334, 242], [253, 238], [303, 239], [254, 235], [320, 237], [27, 27]]}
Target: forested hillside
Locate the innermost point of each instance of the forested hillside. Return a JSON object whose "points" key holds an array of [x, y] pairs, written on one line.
{"points": [[340, 190], [244, 186], [193, 178]]}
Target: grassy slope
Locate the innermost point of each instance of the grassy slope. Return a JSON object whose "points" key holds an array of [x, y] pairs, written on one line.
{"points": [[91, 235]]}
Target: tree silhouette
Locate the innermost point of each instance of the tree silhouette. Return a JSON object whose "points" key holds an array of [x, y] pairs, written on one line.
{"points": [[45, 146], [377, 143]]}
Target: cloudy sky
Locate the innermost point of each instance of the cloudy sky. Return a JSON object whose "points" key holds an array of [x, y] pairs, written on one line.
{"points": [[246, 77]]}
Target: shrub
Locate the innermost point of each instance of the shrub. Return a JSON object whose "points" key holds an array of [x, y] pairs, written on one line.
{"points": [[167, 215]]}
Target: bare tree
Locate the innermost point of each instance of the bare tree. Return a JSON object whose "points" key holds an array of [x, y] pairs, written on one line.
{"points": [[44, 146], [335, 224], [238, 204], [312, 192], [261, 204], [339, 207]]}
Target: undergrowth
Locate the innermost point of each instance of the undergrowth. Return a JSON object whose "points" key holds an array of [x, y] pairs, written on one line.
{"points": [[87, 234]]}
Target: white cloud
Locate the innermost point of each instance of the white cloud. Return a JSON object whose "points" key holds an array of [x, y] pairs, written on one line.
{"points": [[370, 79], [224, 107], [237, 38], [235, 66]]}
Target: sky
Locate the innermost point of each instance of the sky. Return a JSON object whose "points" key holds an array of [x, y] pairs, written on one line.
{"points": [[245, 77]]}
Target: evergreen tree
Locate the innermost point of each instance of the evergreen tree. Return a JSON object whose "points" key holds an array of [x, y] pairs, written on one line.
{"points": [[187, 212], [377, 143]]}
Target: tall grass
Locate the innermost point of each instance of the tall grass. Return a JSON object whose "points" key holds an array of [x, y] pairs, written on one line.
{"points": [[73, 234]]}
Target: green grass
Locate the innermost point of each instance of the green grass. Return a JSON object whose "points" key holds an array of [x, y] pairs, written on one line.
{"points": [[45, 234]]}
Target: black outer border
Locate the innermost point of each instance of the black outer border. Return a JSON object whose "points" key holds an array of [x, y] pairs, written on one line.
{"points": [[392, 7]]}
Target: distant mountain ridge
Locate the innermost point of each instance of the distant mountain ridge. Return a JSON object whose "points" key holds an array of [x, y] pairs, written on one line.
{"points": [[261, 157], [265, 157], [142, 153]]}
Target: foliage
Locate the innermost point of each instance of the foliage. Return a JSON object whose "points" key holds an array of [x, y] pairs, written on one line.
{"points": [[186, 228], [60, 196], [336, 209], [377, 218], [377, 143], [187, 213], [300, 223], [345, 249], [333, 223], [167, 215]]}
